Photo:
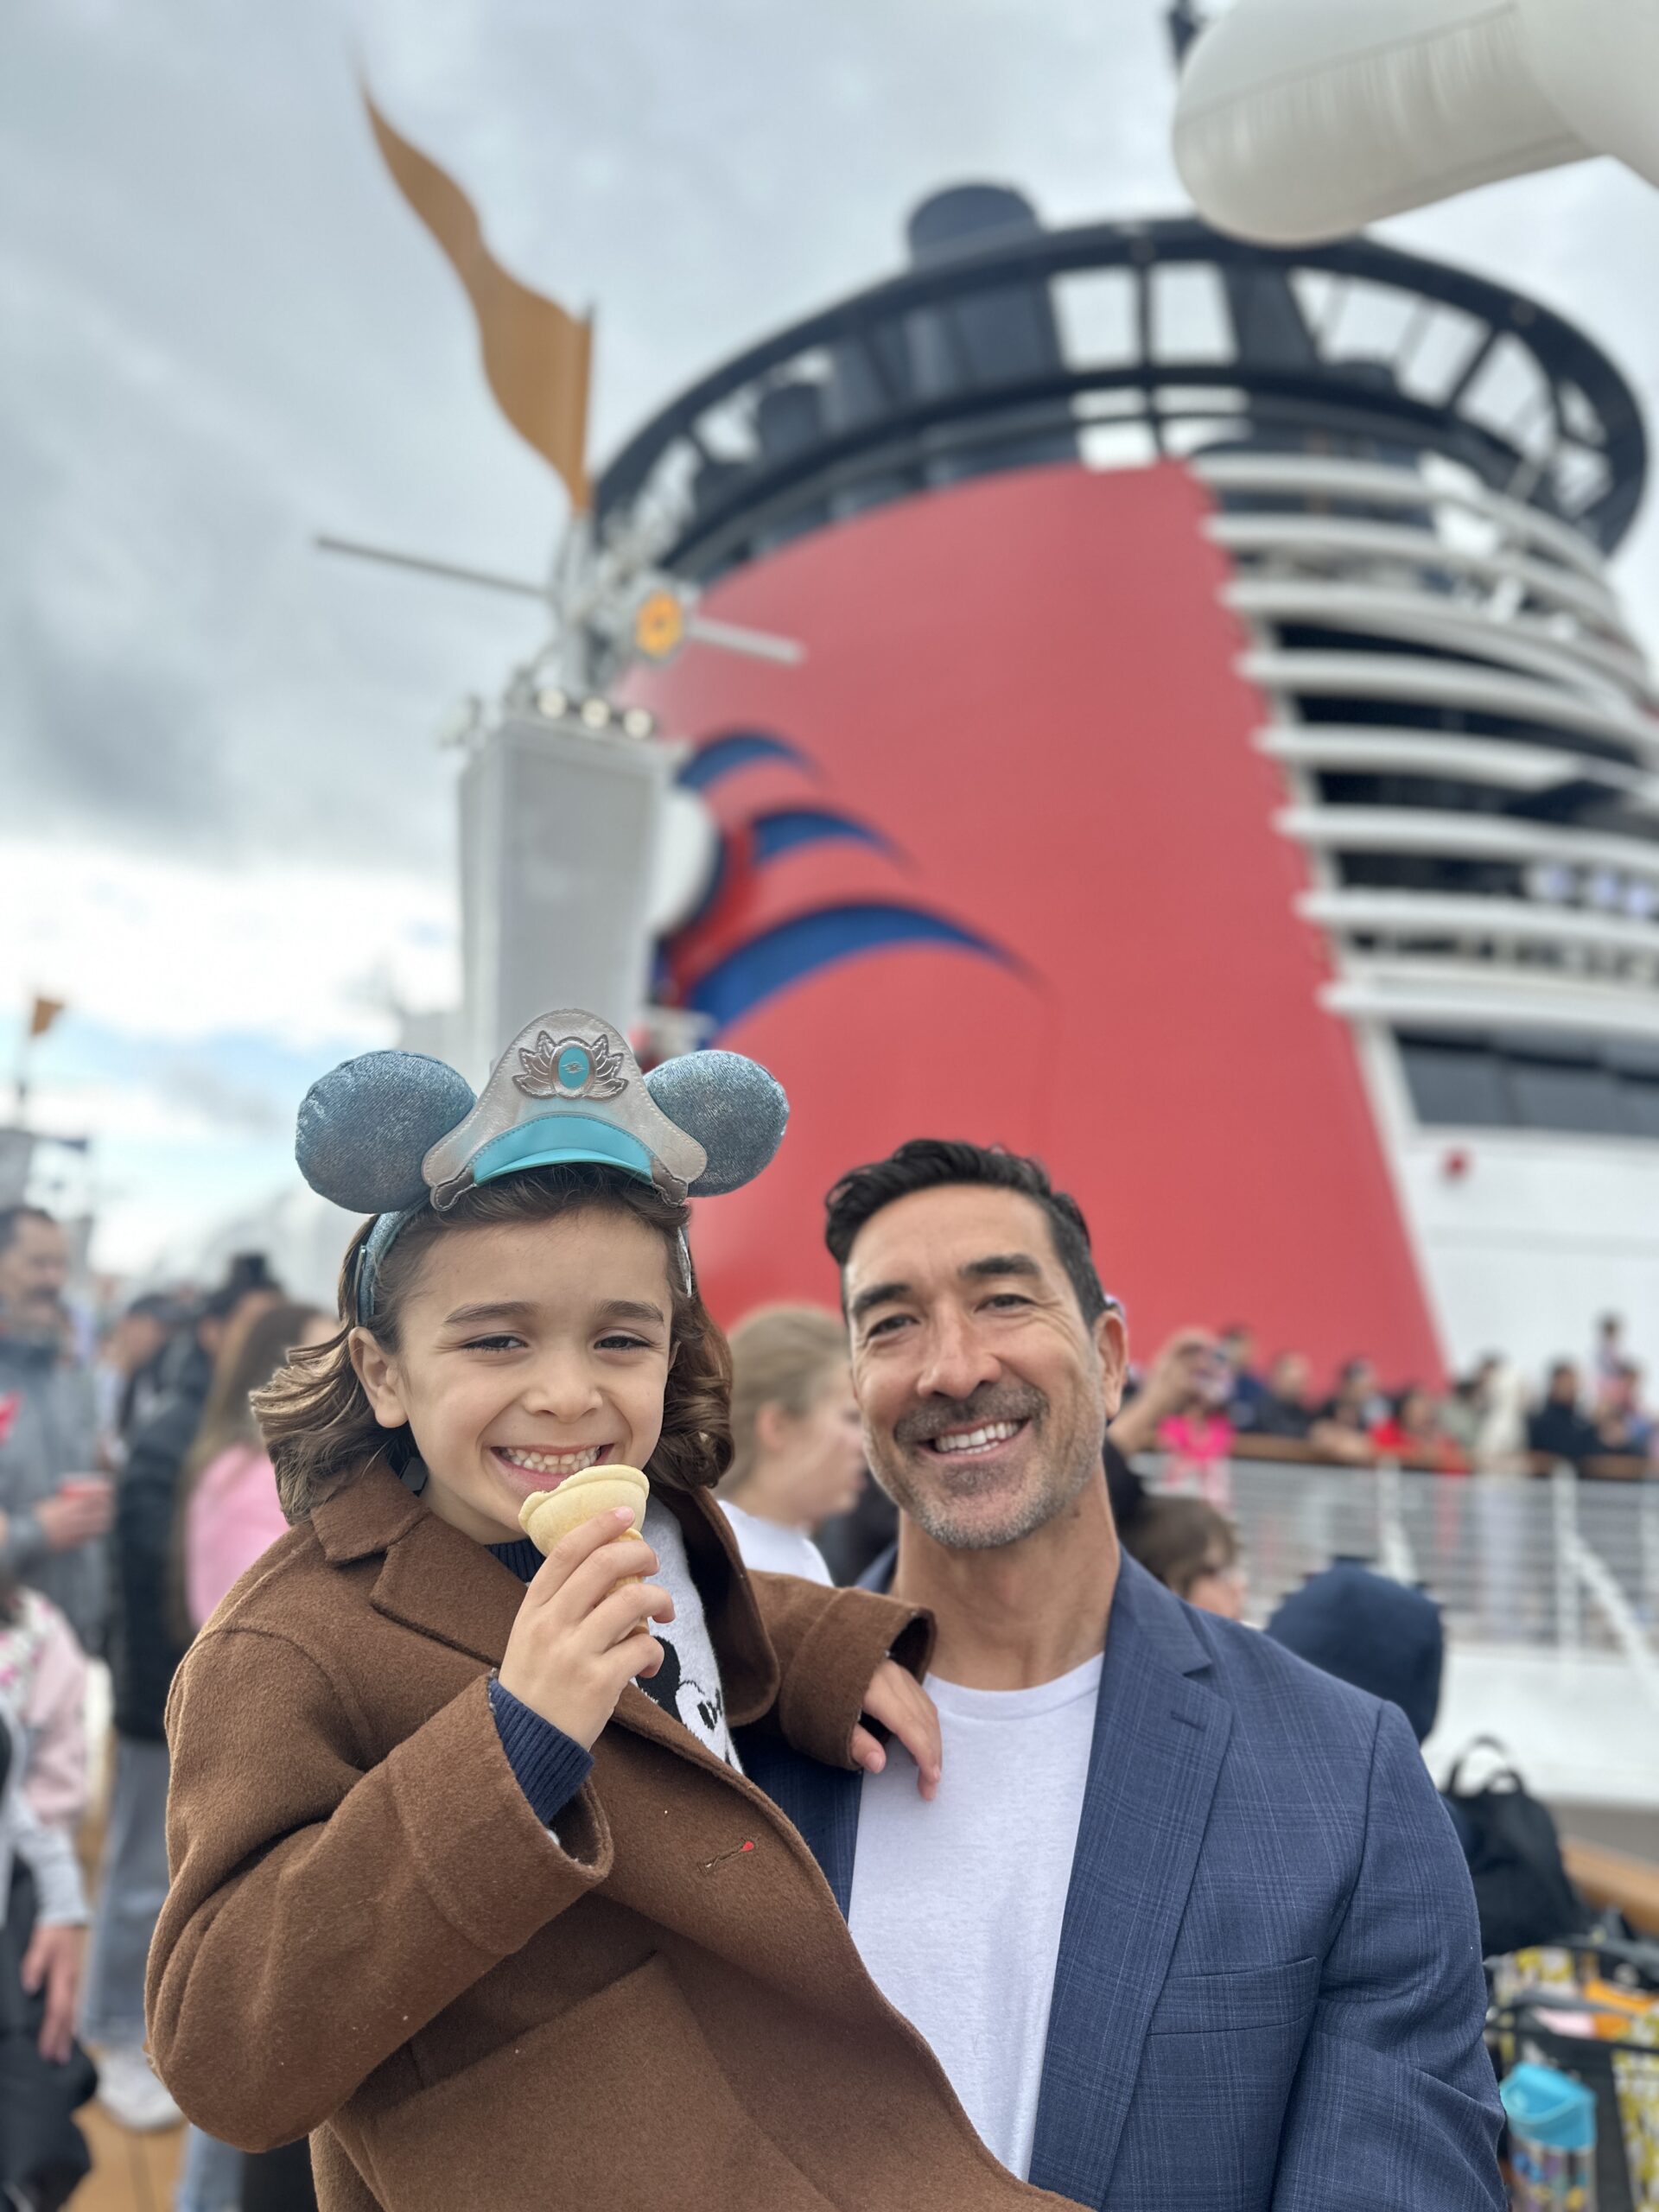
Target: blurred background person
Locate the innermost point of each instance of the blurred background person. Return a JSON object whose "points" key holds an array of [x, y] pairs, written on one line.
{"points": [[127, 1375], [1191, 1550], [54, 1508], [1341, 1426], [1246, 1389], [1284, 1412], [229, 1512], [1559, 1428], [797, 1443], [144, 1649], [1463, 1412], [1608, 1359], [228, 1515], [44, 2076], [1412, 1432]]}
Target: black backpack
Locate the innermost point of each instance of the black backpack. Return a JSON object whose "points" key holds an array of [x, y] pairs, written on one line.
{"points": [[1522, 1888]]}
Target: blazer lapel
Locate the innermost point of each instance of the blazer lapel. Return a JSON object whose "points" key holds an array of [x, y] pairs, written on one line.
{"points": [[1159, 1740]]}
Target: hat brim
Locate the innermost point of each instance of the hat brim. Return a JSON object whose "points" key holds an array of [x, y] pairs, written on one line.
{"points": [[558, 1140]]}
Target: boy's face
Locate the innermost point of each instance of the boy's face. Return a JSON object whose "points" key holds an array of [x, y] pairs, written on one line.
{"points": [[525, 1354]]}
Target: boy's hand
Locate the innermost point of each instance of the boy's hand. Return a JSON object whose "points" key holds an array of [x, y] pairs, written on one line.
{"points": [[582, 1632], [53, 1962], [904, 1708]]}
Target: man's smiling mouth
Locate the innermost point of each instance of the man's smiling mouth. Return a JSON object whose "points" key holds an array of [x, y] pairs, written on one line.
{"points": [[973, 1443]]}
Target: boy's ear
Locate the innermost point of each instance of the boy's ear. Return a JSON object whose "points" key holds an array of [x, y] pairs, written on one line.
{"points": [[378, 1372]]}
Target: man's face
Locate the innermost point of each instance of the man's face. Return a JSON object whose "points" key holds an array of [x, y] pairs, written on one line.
{"points": [[984, 1394], [1291, 1377], [33, 1273]]}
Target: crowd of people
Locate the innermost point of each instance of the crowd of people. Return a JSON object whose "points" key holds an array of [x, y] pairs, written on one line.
{"points": [[1208, 1399], [136, 1488]]}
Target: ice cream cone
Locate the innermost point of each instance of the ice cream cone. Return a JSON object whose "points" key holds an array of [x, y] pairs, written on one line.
{"points": [[547, 1515]]}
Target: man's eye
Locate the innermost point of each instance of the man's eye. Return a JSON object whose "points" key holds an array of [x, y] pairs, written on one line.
{"points": [[1008, 1298], [886, 1326]]}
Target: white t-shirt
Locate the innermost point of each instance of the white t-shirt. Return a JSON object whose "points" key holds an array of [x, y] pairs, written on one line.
{"points": [[687, 1682], [767, 1548], [956, 1905]]}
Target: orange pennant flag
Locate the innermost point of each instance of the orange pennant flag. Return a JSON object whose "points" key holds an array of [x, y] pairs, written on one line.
{"points": [[538, 356], [44, 1013]]}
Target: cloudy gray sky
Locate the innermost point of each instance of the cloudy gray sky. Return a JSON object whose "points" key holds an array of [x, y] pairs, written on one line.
{"points": [[224, 826]]}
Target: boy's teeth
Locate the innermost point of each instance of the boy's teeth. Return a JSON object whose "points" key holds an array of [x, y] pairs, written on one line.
{"points": [[554, 1462], [975, 1439]]}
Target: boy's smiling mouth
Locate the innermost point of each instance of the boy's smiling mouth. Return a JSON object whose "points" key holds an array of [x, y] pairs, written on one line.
{"points": [[545, 1468]]}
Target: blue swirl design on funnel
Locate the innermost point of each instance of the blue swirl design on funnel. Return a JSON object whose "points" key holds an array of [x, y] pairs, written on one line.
{"points": [[786, 953]]}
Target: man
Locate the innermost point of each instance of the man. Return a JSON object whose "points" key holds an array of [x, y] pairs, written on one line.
{"points": [[144, 1650], [1186, 1923], [54, 1509], [1560, 1427]]}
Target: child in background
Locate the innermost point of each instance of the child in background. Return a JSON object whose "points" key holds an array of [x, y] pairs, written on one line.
{"points": [[229, 1513], [1192, 1550], [45, 2076]]}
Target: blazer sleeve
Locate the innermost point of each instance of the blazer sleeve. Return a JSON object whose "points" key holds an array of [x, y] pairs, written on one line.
{"points": [[828, 1644], [323, 1910], [1396, 2102]]}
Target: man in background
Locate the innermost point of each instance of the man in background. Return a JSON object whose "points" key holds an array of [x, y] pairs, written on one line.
{"points": [[54, 1508]]}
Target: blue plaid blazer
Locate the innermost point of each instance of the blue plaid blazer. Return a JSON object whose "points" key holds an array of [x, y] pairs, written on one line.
{"points": [[1268, 1991]]}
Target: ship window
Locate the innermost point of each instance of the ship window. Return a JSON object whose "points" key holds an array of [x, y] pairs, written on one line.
{"points": [[1190, 320], [1562, 1097], [1569, 1085], [1449, 1082]]}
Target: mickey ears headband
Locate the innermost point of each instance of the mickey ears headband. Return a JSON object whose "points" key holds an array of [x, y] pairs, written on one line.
{"points": [[392, 1132]]}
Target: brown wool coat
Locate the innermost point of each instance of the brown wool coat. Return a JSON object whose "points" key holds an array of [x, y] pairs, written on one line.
{"points": [[370, 1936]]}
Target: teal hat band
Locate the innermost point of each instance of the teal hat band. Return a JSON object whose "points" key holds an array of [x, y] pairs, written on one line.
{"points": [[572, 1137]]}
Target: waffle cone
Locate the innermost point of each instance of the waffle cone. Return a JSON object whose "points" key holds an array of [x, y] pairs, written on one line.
{"points": [[547, 1516]]}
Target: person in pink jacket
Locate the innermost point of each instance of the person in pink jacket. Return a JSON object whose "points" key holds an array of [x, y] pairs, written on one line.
{"points": [[229, 1511]]}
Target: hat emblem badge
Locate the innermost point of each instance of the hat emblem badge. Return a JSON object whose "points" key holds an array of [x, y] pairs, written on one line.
{"points": [[568, 1067]]}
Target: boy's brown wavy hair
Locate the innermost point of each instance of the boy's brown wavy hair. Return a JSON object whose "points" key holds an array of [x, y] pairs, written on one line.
{"points": [[317, 1421]]}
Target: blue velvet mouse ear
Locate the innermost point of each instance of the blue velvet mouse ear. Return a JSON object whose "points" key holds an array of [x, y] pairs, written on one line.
{"points": [[365, 1126], [735, 1109]]}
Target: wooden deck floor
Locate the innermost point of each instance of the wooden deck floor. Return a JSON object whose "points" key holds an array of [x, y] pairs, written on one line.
{"points": [[131, 2173]]}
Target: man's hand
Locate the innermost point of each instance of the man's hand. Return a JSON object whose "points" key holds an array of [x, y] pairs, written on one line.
{"points": [[898, 1703], [1175, 1376], [81, 1511], [52, 1963]]}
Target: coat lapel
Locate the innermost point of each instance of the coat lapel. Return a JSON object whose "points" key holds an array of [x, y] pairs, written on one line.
{"points": [[1159, 1739]]}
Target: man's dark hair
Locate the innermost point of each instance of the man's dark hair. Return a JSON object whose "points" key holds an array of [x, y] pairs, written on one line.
{"points": [[933, 1163], [13, 1218]]}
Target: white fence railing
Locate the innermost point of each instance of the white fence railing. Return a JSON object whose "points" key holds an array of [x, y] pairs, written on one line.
{"points": [[1552, 1562]]}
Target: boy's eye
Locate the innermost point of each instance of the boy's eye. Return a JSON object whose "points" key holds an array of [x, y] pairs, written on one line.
{"points": [[620, 1341], [491, 1343]]}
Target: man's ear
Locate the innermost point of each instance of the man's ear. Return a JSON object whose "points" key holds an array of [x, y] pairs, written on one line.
{"points": [[377, 1371], [1112, 1343]]}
